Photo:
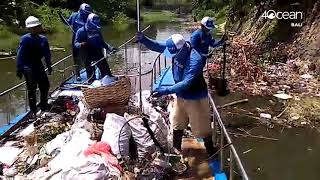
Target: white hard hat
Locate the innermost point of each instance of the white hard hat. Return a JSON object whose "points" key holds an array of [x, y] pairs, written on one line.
{"points": [[32, 21], [208, 22]]}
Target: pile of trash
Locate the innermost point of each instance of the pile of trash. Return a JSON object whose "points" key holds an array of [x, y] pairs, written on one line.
{"points": [[250, 69], [67, 143]]}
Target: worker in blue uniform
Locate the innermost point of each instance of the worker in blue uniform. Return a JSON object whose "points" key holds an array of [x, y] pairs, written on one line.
{"points": [[191, 105], [201, 39], [90, 40], [76, 21], [32, 48]]}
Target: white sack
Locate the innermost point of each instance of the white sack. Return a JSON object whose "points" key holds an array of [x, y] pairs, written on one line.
{"points": [[111, 130]]}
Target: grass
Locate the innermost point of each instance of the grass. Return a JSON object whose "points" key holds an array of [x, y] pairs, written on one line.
{"points": [[9, 40], [158, 16]]}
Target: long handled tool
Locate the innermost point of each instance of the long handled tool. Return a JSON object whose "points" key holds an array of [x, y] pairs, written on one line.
{"points": [[222, 83], [139, 56], [65, 21]]}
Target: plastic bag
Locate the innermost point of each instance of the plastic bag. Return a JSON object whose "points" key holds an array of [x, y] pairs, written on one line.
{"points": [[111, 130], [69, 152], [144, 142]]}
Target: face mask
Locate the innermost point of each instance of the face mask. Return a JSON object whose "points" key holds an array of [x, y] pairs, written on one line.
{"points": [[177, 55]]}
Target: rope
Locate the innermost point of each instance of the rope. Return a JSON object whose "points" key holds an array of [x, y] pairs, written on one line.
{"points": [[7, 58]]}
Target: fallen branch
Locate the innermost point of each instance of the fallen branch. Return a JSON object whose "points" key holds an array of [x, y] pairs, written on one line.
{"points": [[247, 151], [282, 112], [254, 136], [233, 103]]}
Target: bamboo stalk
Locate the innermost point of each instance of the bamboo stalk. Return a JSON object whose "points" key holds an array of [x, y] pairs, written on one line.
{"points": [[233, 103], [253, 136]]}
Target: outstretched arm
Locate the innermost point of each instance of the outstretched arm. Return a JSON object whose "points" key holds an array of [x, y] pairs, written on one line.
{"points": [[65, 21], [153, 45], [215, 43]]}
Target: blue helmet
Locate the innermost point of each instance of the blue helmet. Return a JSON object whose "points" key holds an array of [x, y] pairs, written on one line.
{"points": [[85, 10], [93, 22]]}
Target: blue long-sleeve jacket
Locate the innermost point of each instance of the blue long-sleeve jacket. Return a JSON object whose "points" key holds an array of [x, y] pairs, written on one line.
{"points": [[187, 70], [31, 50], [95, 43], [201, 42]]}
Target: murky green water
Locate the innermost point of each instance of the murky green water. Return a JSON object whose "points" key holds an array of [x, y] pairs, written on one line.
{"points": [[294, 156]]}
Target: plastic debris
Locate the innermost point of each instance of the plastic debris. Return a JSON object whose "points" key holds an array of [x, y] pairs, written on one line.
{"points": [[282, 96], [8, 154], [306, 76], [265, 115]]}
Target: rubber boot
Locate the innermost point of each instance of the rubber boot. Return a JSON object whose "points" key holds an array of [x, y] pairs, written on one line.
{"points": [[208, 143], [177, 139]]}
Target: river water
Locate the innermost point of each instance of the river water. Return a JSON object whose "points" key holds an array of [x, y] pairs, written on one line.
{"points": [[294, 156]]}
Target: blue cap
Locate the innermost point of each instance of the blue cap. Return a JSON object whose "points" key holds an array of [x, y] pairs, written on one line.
{"points": [[93, 22], [208, 23], [85, 9], [174, 45]]}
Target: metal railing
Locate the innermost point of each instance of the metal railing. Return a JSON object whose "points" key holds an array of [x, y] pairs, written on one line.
{"points": [[218, 124], [11, 91], [233, 155], [156, 70]]}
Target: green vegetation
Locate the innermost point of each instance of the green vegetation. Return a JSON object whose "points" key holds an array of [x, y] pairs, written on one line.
{"points": [[5, 32], [121, 21], [8, 38], [158, 16], [50, 19]]}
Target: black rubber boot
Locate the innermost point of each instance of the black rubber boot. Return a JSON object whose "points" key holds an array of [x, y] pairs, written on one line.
{"points": [[177, 139], [208, 143]]}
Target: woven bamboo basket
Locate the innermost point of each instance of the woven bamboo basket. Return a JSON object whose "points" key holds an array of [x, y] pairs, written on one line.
{"points": [[117, 93]]}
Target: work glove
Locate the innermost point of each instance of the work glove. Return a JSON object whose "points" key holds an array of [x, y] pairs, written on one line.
{"points": [[49, 70], [139, 36], [19, 74], [160, 92]]}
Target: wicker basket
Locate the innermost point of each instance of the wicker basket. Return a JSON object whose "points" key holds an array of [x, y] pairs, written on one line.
{"points": [[117, 93]]}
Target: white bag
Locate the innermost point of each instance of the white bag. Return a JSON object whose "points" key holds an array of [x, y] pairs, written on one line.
{"points": [[111, 130], [145, 144]]}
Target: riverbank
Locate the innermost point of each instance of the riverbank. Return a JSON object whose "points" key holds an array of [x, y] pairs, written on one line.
{"points": [[294, 93], [270, 60]]}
